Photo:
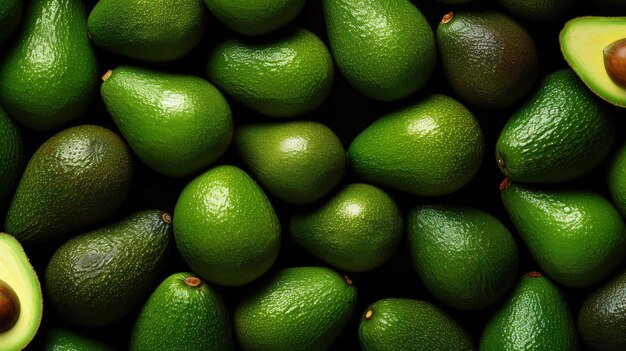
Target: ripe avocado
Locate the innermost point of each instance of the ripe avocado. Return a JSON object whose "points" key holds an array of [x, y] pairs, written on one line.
{"points": [[57, 339], [11, 158], [538, 10], [255, 17], [10, 15]]}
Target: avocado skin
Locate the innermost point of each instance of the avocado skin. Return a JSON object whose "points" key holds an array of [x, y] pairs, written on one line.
{"points": [[10, 15], [12, 158], [616, 178], [136, 29], [535, 317], [50, 76], [488, 59], [576, 237], [538, 10], [58, 339], [410, 325], [178, 316], [385, 48], [75, 179], [602, 316], [563, 132], [96, 278]]}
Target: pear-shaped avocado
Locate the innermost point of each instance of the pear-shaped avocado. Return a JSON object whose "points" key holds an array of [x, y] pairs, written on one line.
{"points": [[357, 230], [583, 44], [385, 48], [602, 316], [177, 124], [479, 252], [225, 227], [283, 76], [561, 133], [75, 179], [432, 148], [255, 17], [98, 277], [616, 178], [298, 162], [538, 10], [57, 339], [577, 237], [21, 303], [534, 317], [183, 313], [156, 30], [302, 308], [50, 76], [11, 158], [410, 325], [10, 15], [488, 58]]}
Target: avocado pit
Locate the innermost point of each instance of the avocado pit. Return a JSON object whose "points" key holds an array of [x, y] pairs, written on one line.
{"points": [[615, 62], [9, 307]]}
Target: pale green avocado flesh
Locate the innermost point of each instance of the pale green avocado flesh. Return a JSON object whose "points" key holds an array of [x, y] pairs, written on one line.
{"points": [[583, 40], [17, 272]]}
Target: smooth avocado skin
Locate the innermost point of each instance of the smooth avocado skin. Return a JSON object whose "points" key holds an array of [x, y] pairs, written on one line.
{"points": [[298, 162], [561, 133], [96, 278], [602, 316], [577, 237], [255, 17], [616, 178], [431, 148], [18, 274], [177, 124], [534, 317], [10, 15], [49, 77], [300, 308], [356, 230], [538, 10], [225, 227], [396, 324], [183, 313], [583, 40], [12, 158], [136, 29], [281, 76], [488, 58], [75, 179], [385, 48], [60, 339], [480, 254]]}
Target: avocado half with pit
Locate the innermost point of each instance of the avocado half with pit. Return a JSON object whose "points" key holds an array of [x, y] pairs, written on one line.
{"points": [[583, 43], [21, 304]]}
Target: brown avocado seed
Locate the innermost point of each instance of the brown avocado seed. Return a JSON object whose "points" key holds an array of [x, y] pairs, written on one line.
{"points": [[615, 62], [9, 307]]}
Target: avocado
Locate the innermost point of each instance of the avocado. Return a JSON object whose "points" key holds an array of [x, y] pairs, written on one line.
{"points": [[21, 302], [356, 230], [280, 76], [155, 31], [534, 317], [96, 278], [298, 162], [431, 148], [395, 324], [10, 15], [75, 179], [385, 48], [183, 313], [583, 41], [538, 10], [479, 252], [560, 134], [225, 227], [300, 308], [488, 58], [177, 124], [577, 237], [12, 158], [255, 17], [58, 339], [49, 77], [616, 178], [602, 316]]}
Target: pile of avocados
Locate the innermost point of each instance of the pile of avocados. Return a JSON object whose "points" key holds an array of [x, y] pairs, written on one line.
{"points": [[313, 175]]}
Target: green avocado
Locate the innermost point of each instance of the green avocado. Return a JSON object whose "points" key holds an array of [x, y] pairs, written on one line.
{"points": [[255, 17], [58, 339], [10, 15], [12, 156], [616, 178], [538, 10]]}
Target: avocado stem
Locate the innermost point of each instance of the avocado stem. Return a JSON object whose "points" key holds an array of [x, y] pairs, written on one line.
{"points": [[348, 280], [447, 17], [368, 314], [166, 217], [193, 281], [505, 183], [533, 274], [107, 75]]}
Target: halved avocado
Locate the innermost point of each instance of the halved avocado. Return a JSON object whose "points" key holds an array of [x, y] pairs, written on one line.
{"points": [[17, 273], [583, 41]]}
